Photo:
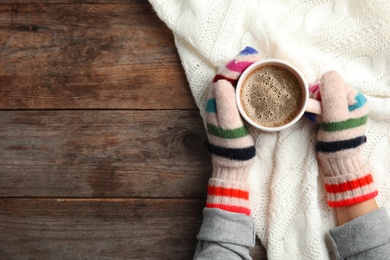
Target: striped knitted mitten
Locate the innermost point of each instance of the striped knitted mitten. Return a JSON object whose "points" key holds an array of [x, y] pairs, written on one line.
{"points": [[347, 176], [230, 143]]}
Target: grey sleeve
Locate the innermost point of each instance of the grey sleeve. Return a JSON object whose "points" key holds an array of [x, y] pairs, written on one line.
{"points": [[366, 237], [225, 235]]}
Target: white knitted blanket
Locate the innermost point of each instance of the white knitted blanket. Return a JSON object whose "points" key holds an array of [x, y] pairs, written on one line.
{"points": [[352, 37]]}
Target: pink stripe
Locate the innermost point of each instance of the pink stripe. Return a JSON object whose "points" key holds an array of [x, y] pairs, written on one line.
{"points": [[238, 66], [314, 88]]}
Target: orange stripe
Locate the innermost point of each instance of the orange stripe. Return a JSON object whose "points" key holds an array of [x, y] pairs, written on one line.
{"points": [[236, 209], [228, 192], [352, 201], [349, 185]]}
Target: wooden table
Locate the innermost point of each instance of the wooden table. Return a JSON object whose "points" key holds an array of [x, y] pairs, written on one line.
{"points": [[102, 148]]}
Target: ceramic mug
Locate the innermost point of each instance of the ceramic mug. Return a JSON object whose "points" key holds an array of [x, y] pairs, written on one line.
{"points": [[307, 104]]}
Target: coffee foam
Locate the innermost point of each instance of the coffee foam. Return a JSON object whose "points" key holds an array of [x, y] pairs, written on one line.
{"points": [[271, 96]]}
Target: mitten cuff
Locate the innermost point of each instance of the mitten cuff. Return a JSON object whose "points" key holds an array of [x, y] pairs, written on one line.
{"points": [[339, 165], [228, 195], [347, 181], [238, 173]]}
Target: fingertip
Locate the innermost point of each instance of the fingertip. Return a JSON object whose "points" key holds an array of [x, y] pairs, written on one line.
{"points": [[224, 90], [331, 80], [333, 95], [227, 110]]}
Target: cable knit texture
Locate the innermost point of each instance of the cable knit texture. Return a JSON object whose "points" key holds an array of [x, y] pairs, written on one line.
{"points": [[288, 199]]}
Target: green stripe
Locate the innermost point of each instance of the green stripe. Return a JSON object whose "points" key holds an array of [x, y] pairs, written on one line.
{"points": [[227, 133], [343, 125]]}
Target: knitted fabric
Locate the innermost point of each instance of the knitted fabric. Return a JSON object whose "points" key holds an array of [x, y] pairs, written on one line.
{"points": [[230, 143], [288, 198], [347, 176]]}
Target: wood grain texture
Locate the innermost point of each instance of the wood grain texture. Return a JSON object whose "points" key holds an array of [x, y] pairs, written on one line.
{"points": [[102, 149], [99, 229], [103, 153], [89, 56], [74, 1]]}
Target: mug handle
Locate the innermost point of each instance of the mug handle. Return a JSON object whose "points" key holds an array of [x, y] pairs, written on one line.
{"points": [[314, 106]]}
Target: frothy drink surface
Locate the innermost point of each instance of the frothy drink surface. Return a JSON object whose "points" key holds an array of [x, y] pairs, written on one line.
{"points": [[271, 96]]}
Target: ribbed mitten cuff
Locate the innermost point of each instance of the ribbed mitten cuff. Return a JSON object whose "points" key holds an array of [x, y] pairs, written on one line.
{"points": [[237, 174], [228, 195], [348, 181]]}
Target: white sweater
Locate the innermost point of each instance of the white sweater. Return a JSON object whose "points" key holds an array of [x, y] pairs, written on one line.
{"points": [[353, 37]]}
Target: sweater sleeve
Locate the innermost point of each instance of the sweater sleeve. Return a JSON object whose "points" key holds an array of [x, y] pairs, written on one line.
{"points": [[225, 235], [366, 237]]}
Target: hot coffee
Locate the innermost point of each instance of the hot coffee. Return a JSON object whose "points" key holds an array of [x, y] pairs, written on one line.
{"points": [[271, 96]]}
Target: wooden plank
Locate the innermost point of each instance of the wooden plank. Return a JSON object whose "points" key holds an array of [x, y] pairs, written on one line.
{"points": [[81, 153], [101, 228], [72, 1], [96, 229], [59, 56]]}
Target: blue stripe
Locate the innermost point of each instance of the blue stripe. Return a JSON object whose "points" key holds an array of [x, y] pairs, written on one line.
{"points": [[360, 101], [211, 106], [248, 51]]}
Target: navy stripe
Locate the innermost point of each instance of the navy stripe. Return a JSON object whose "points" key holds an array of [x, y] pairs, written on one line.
{"points": [[237, 154], [331, 147], [311, 116]]}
